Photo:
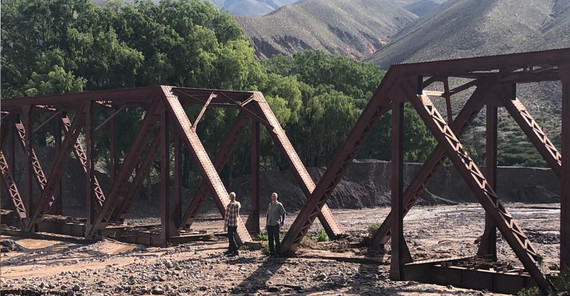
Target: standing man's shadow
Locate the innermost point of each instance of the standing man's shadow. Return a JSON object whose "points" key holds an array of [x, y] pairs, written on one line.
{"points": [[258, 279]]}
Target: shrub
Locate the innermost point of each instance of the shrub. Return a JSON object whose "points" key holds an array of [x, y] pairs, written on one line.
{"points": [[322, 236], [372, 228], [529, 292], [262, 236]]}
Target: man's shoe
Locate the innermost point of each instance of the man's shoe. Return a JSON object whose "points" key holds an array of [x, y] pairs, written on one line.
{"points": [[228, 252], [232, 254]]}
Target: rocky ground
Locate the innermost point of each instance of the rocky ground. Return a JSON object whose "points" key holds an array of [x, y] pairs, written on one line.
{"points": [[59, 266]]}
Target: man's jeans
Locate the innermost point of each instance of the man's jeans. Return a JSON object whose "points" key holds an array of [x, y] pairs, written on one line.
{"points": [[232, 238], [273, 234]]}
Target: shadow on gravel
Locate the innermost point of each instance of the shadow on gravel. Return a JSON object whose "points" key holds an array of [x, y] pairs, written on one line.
{"points": [[258, 279]]}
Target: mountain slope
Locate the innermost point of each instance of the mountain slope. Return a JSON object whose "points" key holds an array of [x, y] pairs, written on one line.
{"points": [[468, 28], [356, 28], [251, 7], [422, 7], [465, 28]]}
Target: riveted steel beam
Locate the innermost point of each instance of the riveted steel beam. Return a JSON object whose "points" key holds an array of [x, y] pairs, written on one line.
{"points": [[280, 139], [379, 104], [47, 197], [488, 245], [534, 133], [469, 171], [220, 159], [467, 114], [197, 150], [133, 155]]}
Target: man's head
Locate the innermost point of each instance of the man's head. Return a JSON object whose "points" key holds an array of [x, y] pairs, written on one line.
{"points": [[232, 196], [274, 197]]}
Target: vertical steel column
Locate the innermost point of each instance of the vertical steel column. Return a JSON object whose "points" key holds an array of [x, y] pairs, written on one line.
{"points": [[29, 196], [565, 177], [177, 212], [12, 148], [253, 219], [57, 207], [113, 144], [488, 246], [396, 185], [89, 126], [165, 178]]}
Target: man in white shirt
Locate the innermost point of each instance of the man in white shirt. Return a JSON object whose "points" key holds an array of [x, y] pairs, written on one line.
{"points": [[275, 219]]}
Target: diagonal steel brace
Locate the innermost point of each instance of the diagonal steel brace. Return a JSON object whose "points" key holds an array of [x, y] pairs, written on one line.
{"points": [[469, 171]]}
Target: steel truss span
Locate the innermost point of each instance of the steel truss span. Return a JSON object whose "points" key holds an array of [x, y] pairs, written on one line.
{"points": [[70, 120], [483, 82], [487, 82]]}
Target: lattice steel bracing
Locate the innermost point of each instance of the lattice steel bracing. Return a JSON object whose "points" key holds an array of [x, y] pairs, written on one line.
{"points": [[508, 227], [434, 162], [120, 183], [535, 134], [47, 197], [12, 189], [163, 108], [490, 77], [82, 157], [222, 156]]}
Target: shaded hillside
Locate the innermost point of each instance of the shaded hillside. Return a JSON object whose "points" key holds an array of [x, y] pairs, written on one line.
{"points": [[355, 28], [422, 7], [465, 28]]}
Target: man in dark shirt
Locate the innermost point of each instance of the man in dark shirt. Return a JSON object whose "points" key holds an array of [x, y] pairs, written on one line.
{"points": [[275, 219]]}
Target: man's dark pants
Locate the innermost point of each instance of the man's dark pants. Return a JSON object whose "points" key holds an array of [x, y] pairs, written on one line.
{"points": [[273, 234], [232, 238]]}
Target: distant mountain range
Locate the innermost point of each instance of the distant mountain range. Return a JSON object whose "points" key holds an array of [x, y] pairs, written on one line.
{"points": [[238, 7], [251, 7], [465, 28], [356, 28]]}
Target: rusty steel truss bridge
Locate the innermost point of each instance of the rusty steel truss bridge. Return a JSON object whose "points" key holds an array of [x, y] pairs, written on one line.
{"points": [[484, 82]]}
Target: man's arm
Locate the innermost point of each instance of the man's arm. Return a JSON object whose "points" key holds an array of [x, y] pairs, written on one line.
{"points": [[226, 218], [283, 215]]}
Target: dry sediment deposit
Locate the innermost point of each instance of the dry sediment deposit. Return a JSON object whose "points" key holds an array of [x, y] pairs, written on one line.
{"points": [[58, 267]]}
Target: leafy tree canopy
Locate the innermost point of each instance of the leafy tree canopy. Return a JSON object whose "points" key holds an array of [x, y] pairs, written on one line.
{"points": [[60, 46]]}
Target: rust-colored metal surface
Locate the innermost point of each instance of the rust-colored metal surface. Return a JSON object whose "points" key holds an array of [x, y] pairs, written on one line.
{"points": [[164, 120], [493, 80], [10, 184], [490, 81]]}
